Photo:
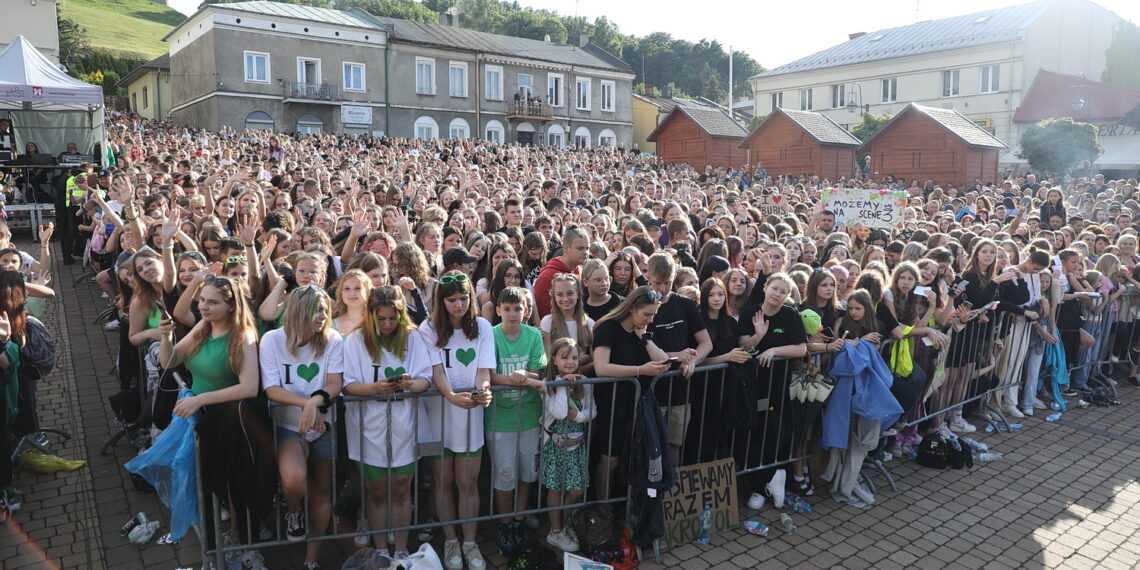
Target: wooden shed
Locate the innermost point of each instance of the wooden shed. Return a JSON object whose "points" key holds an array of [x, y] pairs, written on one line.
{"points": [[700, 137], [929, 143], [802, 142]]}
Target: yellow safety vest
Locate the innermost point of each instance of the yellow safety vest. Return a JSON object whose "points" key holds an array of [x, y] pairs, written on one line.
{"points": [[74, 193]]}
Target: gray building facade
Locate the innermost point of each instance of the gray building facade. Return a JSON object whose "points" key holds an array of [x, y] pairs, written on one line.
{"points": [[297, 68]]}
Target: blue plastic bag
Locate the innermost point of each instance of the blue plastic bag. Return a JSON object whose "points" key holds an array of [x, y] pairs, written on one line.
{"points": [[169, 466]]}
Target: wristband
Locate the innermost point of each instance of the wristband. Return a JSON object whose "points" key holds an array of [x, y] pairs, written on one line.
{"points": [[324, 396], [249, 245]]}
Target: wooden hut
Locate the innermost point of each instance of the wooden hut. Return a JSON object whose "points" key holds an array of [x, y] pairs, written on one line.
{"points": [[929, 143], [802, 142], [700, 137]]}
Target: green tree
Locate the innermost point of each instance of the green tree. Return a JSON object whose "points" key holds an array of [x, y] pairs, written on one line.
{"points": [[1056, 145], [72, 38], [755, 122], [1120, 58], [870, 125]]}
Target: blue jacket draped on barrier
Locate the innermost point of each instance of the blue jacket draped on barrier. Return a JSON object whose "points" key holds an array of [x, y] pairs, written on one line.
{"points": [[862, 387]]}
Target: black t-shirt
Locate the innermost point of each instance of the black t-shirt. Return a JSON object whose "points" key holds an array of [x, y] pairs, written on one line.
{"points": [[617, 400], [597, 312], [785, 328], [887, 320], [677, 321]]}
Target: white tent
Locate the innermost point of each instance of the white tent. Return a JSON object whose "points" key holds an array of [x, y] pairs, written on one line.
{"points": [[45, 104]]}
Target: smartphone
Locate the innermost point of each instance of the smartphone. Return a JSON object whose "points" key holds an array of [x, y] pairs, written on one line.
{"points": [[1025, 201], [393, 379], [968, 305], [961, 284], [673, 360]]}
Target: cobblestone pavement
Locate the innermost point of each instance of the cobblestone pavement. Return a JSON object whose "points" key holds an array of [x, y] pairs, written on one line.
{"points": [[1065, 496]]}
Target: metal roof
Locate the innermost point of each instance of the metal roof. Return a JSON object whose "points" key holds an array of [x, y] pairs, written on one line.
{"points": [[668, 103], [353, 18], [160, 63], [1051, 96], [952, 121], [470, 40], [819, 126], [980, 28]]}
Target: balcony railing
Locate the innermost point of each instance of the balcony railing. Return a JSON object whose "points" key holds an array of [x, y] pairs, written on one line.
{"points": [[526, 109], [296, 90]]}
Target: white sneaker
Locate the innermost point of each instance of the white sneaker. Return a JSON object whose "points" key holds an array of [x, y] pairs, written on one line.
{"points": [[114, 326], [1040, 404], [452, 555], [960, 425], [561, 541], [775, 488], [1012, 412], [756, 501], [253, 560], [104, 295], [362, 540]]}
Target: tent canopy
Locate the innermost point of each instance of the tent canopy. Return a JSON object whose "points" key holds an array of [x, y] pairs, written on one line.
{"points": [[28, 79]]}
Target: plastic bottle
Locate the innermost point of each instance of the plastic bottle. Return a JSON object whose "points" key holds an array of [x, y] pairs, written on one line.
{"points": [[1053, 417], [796, 503], [706, 526], [1015, 428], [789, 525], [1056, 407], [989, 456], [756, 527], [975, 445]]}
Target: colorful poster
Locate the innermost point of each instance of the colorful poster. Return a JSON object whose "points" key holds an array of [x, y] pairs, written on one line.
{"points": [[866, 208]]}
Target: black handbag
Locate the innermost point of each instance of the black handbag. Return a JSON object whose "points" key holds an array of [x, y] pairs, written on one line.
{"points": [[932, 452]]}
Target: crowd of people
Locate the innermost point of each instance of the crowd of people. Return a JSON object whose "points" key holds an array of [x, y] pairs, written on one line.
{"points": [[300, 268]]}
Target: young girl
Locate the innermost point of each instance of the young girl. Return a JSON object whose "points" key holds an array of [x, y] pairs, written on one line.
{"points": [[351, 304], [509, 273], [568, 317], [568, 410], [301, 368], [599, 300], [623, 273], [463, 356], [736, 281], [382, 357], [310, 270], [1044, 335]]}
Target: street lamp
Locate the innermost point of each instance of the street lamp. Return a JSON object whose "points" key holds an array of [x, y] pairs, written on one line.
{"points": [[1078, 104], [852, 106]]}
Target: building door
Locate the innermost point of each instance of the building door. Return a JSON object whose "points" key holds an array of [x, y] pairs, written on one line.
{"points": [[526, 137]]}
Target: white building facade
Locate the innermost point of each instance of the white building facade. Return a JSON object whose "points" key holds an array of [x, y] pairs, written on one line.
{"points": [[978, 64]]}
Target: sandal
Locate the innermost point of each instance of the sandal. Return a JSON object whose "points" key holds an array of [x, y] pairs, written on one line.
{"points": [[803, 486]]}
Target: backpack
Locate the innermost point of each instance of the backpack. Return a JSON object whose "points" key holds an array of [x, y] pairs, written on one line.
{"points": [[646, 463], [932, 452], [595, 527], [534, 557], [959, 456], [38, 351]]}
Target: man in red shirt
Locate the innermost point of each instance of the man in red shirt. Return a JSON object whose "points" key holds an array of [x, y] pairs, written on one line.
{"points": [[575, 251]]}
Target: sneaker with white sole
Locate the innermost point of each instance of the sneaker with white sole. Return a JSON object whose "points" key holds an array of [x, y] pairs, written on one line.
{"points": [[473, 557], [775, 488], [452, 555], [960, 425], [253, 560], [560, 540], [1012, 412], [362, 540], [756, 501], [295, 526], [112, 326]]}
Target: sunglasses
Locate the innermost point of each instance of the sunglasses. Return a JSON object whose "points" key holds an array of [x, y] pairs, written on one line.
{"points": [[449, 279], [190, 255], [653, 296]]}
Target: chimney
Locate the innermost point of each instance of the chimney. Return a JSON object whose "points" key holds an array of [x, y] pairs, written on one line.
{"points": [[649, 90], [583, 38], [855, 36], [449, 17], [667, 91]]}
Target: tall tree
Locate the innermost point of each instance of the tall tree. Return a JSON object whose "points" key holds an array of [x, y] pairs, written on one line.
{"points": [[402, 9], [1056, 145], [869, 126]]}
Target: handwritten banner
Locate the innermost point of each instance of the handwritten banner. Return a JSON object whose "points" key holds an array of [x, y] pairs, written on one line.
{"points": [[712, 483], [774, 205], [866, 208]]}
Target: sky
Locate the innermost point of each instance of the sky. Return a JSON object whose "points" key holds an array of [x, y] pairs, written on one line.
{"points": [[773, 32]]}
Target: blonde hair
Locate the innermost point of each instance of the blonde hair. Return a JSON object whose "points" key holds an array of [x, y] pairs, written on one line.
{"points": [[300, 313], [558, 320], [339, 307]]}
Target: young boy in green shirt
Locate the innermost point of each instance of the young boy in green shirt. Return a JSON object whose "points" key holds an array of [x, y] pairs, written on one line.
{"points": [[514, 422]]}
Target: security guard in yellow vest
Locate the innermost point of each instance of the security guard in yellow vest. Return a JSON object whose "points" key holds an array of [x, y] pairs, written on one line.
{"points": [[75, 195]]}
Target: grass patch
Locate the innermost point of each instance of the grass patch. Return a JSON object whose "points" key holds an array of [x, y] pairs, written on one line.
{"points": [[125, 27]]}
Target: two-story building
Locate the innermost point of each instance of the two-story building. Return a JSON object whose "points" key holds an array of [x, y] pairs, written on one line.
{"points": [[289, 67], [978, 64]]}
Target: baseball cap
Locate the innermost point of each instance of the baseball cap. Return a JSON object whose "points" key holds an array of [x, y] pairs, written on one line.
{"points": [[458, 254]]}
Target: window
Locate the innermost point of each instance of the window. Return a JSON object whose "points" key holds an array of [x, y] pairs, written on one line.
{"points": [[607, 102], [607, 138], [990, 83], [457, 78], [582, 94], [555, 136], [526, 85], [554, 89], [838, 96], [256, 67], [309, 124], [308, 71], [582, 137], [146, 98], [890, 90], [458, 129], [135, 102], [950, 84], [425, 76], [426, 128], [493, 79], [805, 99], [353, 76], [777, 100], [258, 120], [494, 132]]}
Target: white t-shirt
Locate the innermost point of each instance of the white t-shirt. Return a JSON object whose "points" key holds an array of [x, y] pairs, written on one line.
{"points": [[571, 327], [462, 430], [368, 423], [302, 374]]}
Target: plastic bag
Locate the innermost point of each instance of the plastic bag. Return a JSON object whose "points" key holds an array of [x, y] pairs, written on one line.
{"points": [[41, 462], [169, 466], [368, 559]]}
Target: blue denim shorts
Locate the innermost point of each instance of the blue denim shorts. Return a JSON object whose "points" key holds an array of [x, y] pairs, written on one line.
{"points": [[322, 448]]}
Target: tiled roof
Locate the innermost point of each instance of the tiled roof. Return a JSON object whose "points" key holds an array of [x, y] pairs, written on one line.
{"points": [[668, 103], [1051, 96], [952, 121], [469, 40], [354, 18], [711, 120], [981, 28], [821, 127]]}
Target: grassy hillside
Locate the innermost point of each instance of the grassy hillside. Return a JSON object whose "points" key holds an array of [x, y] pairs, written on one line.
{"points": [[126, 27]]}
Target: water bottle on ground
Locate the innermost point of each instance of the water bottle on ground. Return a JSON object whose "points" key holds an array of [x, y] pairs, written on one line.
{"points": [[789, 525], [975, 445], [1055, 407], [706, 525], [1053, 417], [989, 457], [756, 527], [796, 503]]}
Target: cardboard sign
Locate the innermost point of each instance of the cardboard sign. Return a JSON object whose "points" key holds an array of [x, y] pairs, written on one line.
{"points": [[712, 483], [866, 208], [774, 205]]}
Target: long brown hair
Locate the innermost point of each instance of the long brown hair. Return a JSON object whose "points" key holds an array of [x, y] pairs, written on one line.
{"points": [[13, 295], [397, 342], [441, 320], [241, 320]]}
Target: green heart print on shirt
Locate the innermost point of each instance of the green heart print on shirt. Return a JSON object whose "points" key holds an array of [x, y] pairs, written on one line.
{"points": [[309, 371], [390, 372], [465, 355]]}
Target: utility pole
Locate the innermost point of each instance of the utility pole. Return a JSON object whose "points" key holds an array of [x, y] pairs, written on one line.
{"points": [[731, 113]]}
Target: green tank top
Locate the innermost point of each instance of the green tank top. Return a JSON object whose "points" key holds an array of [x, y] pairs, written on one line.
{"points": [[211, 366], [154, 319]]}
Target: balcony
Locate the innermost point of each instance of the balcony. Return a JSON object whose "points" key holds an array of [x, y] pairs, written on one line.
{"points": [[322, 93], [525, 110]]}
